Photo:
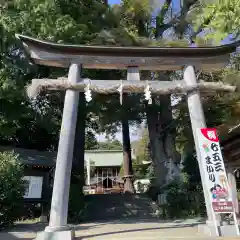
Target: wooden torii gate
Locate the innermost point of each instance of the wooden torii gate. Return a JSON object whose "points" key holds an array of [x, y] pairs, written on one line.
{"points": [[133, 59]]}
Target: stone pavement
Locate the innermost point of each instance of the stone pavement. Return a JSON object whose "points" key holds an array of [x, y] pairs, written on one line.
{"points": [[143, 230], [120, 230]]}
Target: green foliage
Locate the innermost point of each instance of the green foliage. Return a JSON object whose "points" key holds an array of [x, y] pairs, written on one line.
{"points": [[153, 192], [142, 159], [140, 170], [25, 124], [142, 163], [185, 198], [221, 18], [11, 188], [191, 169], [219, 109], [110, 145], [121, 172], [59, 21], [76, 204], [36, 124], [141, 148], [91, 142], [183, 202]]}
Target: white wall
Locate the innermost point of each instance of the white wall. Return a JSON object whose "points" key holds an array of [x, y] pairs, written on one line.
{"points": [[33, 186]]}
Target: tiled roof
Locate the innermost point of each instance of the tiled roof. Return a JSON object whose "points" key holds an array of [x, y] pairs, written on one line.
{"points": [[228, 132], [100, 158], [104, 158], [33, 157]]}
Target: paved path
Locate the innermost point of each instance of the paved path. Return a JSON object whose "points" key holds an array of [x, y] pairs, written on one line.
{"points": [[138, 231], [120, 230]]}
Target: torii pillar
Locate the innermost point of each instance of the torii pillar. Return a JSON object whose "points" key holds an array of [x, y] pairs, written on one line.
{"points": [[58, 228]]}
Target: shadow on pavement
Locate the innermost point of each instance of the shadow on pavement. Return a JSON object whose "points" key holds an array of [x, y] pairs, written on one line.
{"points": [[137, 230], [11, 236], [28, 227], [180, 223], [22, 231]]}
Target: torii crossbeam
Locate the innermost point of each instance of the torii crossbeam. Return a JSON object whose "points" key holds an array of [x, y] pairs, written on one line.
{"points": [[134, 59]]}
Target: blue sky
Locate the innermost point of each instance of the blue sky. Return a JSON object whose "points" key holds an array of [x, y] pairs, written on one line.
{"points": [[175, 2], [113, 1]]}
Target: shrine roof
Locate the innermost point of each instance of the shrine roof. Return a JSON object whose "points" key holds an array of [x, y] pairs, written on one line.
{"points": [[105, 158], [32, 156], [101, 158], [228, 133], [117, 57]]}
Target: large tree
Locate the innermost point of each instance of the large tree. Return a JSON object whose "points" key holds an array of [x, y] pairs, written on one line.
{"points": [[183, 28], [26, 123]]}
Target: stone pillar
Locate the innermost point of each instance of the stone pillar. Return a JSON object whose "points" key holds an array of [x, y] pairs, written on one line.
{"points": [[233, 187], [197, 121], [58, 228]]}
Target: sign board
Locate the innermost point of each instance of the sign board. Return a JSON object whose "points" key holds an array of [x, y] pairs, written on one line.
{"points": [[214, 171], [33, 186]]}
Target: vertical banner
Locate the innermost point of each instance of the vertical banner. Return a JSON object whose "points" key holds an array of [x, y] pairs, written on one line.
{"points": [[214, 171]]}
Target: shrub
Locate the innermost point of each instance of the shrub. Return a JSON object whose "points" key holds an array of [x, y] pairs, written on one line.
{"points": [[30, 211], [11, 188], [76, 204], [182, 201]]}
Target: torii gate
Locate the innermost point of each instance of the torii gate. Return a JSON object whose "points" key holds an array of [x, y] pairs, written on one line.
{"points": [[133, 59]]}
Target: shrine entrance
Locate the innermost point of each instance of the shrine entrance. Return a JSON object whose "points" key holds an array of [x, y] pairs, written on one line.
{"points": [[133, 59], [107, 183]]}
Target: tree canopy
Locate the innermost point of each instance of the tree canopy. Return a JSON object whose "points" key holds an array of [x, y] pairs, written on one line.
{"points": [[221, 19], [36, 124]]}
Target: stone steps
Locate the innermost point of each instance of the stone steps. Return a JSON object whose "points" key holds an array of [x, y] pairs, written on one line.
{"points": [[118, 206]]}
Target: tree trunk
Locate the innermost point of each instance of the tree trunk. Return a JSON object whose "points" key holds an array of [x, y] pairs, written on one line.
{"points": [[79, 144], [162, 138], [127, 159], [156, 143], [169, 137]]}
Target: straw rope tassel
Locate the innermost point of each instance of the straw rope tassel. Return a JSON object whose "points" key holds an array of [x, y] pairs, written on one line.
{"points": [[148, 93], [87, 92]]}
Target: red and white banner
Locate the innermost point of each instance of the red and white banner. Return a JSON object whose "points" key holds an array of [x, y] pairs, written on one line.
{"points": [[214, 171]]}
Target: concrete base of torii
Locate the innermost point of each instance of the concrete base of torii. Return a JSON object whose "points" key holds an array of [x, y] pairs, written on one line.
{"points": [[225, 231], [66, 233]]}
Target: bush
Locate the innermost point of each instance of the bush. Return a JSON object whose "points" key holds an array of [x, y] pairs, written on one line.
{"points": [[153, 192], [11, 188], [30, 211], [76, 204], [177, 204], [182, 201]]}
